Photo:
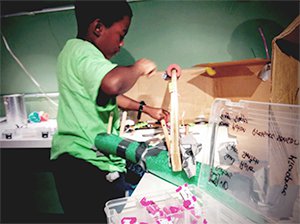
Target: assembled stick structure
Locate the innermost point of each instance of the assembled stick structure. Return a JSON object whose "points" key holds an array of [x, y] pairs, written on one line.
{"points": [[174, 71]]}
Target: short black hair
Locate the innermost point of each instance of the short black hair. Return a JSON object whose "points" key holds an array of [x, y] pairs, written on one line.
{"points": [[108, 12]]}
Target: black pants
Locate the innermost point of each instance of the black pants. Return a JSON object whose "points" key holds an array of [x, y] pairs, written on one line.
{"points": [[83, 190]]}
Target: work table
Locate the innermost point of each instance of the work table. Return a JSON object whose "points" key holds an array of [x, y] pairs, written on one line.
{"points": [[34, 136]]}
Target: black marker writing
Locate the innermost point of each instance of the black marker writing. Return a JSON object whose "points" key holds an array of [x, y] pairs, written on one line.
{"points": [[231, 159], [231, 147], [241, 119], [291, 162], [245, 166], [238, 128], [250, 157], [236, 119], [215, 177], [266, 134]]}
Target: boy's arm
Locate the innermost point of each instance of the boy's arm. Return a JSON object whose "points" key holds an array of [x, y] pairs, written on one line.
{"points": [[120, 79], [127, 103]]}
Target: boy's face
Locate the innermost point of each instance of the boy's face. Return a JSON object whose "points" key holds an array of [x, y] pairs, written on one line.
{"points": [[111, 39]]}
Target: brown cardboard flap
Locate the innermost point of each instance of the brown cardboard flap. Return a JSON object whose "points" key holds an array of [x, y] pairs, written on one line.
{"points": [[233, 80], [285, 65]]}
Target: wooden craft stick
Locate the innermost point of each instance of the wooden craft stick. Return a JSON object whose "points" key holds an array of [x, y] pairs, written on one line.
{"points": [[123, 122], [175, 152], [186, 129], [166, 134], [110, 121]]}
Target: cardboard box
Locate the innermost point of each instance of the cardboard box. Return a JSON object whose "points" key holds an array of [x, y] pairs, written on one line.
{"points": [[285, 65], [234, 80]]}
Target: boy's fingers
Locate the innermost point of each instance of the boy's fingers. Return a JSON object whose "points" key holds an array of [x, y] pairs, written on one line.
{"points": [[152, 73]]}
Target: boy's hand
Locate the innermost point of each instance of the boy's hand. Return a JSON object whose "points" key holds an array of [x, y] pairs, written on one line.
{"points": [[145, 67], [157, 113]]}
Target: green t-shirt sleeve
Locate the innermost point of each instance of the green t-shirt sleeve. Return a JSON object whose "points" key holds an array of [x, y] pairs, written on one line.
{"points": [[92, 70]]}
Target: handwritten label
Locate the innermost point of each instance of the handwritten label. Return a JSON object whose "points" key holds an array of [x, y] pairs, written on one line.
{"points": [[245, 166], [236, 121], [217, 177], [248, 163], [250, 158], [230, 157], [238, 128], [275, 136], [288, 174]]}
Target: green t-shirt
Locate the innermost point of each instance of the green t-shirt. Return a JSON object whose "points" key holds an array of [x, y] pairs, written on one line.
{"points": [[80, 70]]}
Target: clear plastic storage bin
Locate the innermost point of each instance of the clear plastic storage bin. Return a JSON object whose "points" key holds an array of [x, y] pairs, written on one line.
{"points": [[257, 166], [252, 174], [209, 210]]}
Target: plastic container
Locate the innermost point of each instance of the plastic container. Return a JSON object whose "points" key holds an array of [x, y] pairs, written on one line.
{"points": [[129, 209], [257, 166], [15, 109]]}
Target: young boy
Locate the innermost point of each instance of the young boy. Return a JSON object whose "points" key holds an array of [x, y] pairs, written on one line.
{"points": [[90, 88]]}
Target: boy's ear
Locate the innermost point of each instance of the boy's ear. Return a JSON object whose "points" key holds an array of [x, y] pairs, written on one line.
{"points": [[97, 27]]}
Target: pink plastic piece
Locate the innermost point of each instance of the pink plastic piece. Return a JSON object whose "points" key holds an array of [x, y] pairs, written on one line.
{"points": [[174, 67], [129, 220], [43, 116]]}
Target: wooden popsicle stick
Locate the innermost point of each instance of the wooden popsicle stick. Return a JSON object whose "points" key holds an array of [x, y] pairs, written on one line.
{"points": [[123, 122], [174, 143], [194, 71], [166, 134], [110, 121]]}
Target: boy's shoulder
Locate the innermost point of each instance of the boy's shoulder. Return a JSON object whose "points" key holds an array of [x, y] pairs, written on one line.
{"points": [[80, 47]]}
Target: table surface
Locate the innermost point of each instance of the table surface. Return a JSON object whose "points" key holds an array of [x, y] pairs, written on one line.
{"points": [[34, 135], [150, 183]]}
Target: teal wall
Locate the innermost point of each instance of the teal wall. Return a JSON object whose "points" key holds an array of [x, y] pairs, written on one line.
{"points": [[182, 32]]}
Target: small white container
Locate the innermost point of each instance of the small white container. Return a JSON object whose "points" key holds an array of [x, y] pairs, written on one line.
{"points": [[15, 109]]}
